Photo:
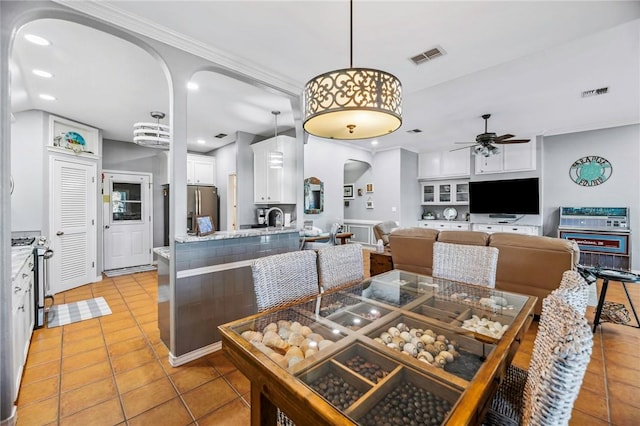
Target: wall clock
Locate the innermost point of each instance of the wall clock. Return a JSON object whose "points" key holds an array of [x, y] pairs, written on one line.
{"points": [[590, 170]]}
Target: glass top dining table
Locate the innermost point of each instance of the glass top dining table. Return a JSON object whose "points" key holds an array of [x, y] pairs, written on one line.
{"points": [[397, 348]]}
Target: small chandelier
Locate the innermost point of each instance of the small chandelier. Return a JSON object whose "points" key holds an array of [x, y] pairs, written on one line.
{"points": [[152, 135], [486, 150], [352, 103]]}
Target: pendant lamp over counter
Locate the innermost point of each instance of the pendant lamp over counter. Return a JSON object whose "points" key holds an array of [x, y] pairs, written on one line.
{"points": [[152, 135], [352, 103]]}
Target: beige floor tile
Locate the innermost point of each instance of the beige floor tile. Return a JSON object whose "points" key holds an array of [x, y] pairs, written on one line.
{"points": [[127, 346], [146, 397], [133, 359], [122, 335], [85, 359], [71, 336], [79, 346], [87, 396], [592, 403], [38, 413], [123, 324], [239, 382], [189, 377], [34, 373], [107, 413], [84, 376], [626, 393], [143, 375], [235, 413], [222, 364], [46, 356], [170, 413], [623, 414], [42, 344], [578, 418], [37, 391], [209, 397]]}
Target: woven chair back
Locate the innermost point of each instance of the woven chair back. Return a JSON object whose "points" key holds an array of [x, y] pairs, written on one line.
{"points": [[284, 278], [340, 265], [574, 290], [561, 353], [465, 263]]}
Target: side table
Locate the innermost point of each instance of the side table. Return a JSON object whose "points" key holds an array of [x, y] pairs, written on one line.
{"points": [[380, 262], [612, 275]]}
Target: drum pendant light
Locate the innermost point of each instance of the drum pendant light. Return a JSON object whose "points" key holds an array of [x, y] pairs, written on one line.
{"points": [[352, 103], [152, 135]]}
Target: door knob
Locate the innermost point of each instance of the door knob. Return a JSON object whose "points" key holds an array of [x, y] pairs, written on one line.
{"points": [[107, 227], [59, 233]]}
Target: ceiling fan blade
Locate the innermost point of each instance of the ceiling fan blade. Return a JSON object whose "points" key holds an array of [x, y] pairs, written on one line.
{"points": [[458, 149], [503, 137], [504, 142]]}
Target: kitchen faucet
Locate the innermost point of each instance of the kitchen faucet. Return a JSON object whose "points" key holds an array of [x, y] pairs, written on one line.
{"points": [[279, 216]]}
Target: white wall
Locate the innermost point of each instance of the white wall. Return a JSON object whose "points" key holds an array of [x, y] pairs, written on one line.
{"points": [[27, 159], [325, 160], [619, 145]]}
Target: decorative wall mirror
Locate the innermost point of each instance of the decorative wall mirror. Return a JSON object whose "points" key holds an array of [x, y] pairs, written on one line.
{"points": [[313, 196]]}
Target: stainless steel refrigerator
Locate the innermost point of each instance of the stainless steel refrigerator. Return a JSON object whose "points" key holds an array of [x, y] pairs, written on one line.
{"points": [[202, 200]]}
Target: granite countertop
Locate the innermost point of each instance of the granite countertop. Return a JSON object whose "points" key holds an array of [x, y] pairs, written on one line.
{"points": [[19, 256], [241, 233], [163, 252]]}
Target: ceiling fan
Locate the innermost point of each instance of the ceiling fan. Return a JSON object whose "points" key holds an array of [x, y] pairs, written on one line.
{"points": [[485, 142]]}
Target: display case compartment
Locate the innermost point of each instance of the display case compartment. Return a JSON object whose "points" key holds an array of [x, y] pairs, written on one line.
{"points": [[377, 366], [368, 311], [337, 384], [329, 304], [405, 386], [349, 320], [436, 314], [472, 351]]}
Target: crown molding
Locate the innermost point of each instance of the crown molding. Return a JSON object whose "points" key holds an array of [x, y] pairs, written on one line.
{"points": [[113, 15]]}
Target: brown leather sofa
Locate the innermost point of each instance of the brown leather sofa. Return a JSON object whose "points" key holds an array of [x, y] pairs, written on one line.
{"points": [[526, 264]]}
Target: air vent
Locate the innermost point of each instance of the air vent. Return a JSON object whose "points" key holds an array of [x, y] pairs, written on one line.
{"points": [[595, 92], [414, 131], [429, 55], [220, 135]]}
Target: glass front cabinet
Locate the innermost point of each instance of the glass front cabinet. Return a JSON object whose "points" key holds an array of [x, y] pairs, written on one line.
{"points": [[445, 192]]}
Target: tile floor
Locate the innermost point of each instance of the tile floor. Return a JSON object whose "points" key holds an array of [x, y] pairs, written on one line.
{"points": [[113, 370]]}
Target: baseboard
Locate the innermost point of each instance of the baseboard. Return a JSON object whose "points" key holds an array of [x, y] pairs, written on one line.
{"points": [[177, 361]]}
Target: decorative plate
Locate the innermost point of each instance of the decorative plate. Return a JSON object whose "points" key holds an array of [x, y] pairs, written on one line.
{"points": [[450, 213], [74, 138]]}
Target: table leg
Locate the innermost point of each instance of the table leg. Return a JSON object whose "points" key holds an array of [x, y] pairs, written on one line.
{"points": [[263, 412], [624, 285], [603, 293]]}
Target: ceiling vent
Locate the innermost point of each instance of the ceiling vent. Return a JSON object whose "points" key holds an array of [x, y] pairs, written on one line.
{"points": [[595, 92], [220, 135], [414, 131], [429, 55]]}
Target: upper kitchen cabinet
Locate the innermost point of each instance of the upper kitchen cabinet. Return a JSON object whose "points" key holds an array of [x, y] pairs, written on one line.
{"points": [[274, 171], [201, 170], [511, 158], [444, 164]]}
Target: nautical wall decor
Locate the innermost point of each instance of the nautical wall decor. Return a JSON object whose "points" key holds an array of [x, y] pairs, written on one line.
{"points": [[590, 170]]}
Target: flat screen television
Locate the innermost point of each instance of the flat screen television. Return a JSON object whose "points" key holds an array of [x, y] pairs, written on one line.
{"points": [[513, 196]]}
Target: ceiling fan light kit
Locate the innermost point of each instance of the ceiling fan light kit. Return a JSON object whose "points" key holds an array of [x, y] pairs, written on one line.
{"points": [[352, 103], [485, 144], [152, 135]]}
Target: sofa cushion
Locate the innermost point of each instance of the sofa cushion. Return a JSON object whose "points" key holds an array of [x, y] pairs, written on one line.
{"points": [[470, 238], [412, 249]]}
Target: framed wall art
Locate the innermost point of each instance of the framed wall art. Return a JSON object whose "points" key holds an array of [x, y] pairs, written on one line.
{"points": [[204, 226], [348, 192]]}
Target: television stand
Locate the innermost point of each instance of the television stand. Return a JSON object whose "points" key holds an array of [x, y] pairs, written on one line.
{"points": [[502, 216]]}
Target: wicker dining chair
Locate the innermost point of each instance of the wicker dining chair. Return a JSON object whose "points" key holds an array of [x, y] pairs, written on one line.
{"points": [[574, 290], [545, 393], [313, 245], [340, 265], [281, 279], [465, 263]]}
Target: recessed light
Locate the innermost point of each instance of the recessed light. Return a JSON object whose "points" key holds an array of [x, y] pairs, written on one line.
{"points": [[37, 40], [192, 86], [201, 141], [41, 73], [47, 97], [374, 143]]}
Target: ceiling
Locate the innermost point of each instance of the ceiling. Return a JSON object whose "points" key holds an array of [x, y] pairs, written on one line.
{"points": [[526, 63]]}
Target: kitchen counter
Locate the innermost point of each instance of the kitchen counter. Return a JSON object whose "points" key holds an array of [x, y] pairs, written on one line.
{"points": [[19, 256], [241, 233], [163, 252]]}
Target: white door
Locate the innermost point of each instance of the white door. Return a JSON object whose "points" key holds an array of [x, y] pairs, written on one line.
{"points": [[232, 203], [73, 192], [127, 220]]}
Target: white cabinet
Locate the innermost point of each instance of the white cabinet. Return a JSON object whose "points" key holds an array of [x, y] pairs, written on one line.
{"points": [[201, 170], [443, 164], [514, 229], [362, 231], [448, 225], [511, 158], [446, 192], [22, 310], [274, 170]]}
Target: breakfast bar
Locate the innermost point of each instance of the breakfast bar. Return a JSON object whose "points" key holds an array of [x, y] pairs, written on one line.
{"points": [[396, 346]]}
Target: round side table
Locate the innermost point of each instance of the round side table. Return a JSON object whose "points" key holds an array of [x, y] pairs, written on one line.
{"points": [[622, 277]]}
